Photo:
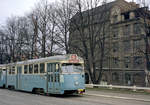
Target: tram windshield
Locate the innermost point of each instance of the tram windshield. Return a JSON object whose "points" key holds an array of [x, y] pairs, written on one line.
{"points": [[71, 67]]}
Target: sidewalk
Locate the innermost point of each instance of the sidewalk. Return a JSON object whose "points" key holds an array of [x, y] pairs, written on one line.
{"points": [[128, 96]]}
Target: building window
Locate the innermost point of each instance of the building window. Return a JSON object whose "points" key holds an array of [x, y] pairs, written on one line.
{"points": [[127, 46], [115, 62], [127, 62], [106, 61], [127, 16], [137, 45], [115, 76], [115, 47], [128, 78], [126, 30], [136, 28], [137, 62], [115, 19], [115, 32]]}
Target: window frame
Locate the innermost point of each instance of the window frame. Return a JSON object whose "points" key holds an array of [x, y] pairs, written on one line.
{"points": [[43, 68], [32, 68], [27, 69], [37, 68]]}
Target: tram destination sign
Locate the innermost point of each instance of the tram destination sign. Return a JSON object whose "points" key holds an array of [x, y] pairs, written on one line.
{"points": [[73, 58]]}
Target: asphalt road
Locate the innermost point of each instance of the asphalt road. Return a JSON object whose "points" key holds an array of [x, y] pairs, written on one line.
{"points": [[8, 97]]}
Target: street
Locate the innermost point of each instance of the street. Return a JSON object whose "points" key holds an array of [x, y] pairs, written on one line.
{"points": [[8, 97]]}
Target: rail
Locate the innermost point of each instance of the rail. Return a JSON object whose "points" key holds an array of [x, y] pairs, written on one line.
{"points": [[116, 86]]}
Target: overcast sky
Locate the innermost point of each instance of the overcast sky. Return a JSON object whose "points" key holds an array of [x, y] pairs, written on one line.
{"points": [[17, 8]]}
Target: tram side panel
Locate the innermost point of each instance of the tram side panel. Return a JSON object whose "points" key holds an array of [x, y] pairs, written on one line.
{"points": [[2, 78], [31, 82], [11, 77], [29, 78], [73, 82], [11, 81]]}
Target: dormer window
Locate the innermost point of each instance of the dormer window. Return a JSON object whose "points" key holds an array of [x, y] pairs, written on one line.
{"points": [[127, 16], [137, 15], [115, 19], [115, 13]]}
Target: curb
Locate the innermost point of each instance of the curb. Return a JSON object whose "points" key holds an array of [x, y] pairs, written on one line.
{"points": [[117, 97]]}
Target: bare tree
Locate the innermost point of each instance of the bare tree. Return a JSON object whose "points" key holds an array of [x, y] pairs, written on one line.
{"points": [[2, 47], [64, 10], [17, 39], [34, 26], [42, 15], [143, 14], [46, 24], [91, 29], [11, 33], [23, 38]]}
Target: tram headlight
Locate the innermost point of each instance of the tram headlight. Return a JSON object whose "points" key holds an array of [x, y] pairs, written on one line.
{"points": [[76, 83]]}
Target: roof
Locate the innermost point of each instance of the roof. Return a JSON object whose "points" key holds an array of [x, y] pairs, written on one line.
{"points": [[97, 10], [122, 4], [57, 58]]}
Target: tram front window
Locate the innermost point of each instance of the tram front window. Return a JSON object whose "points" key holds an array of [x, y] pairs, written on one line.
{"points": [[70, 68]]}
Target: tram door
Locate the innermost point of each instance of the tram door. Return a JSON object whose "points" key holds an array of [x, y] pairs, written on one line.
{"points": [[53, 77], [1, 74], [4, 77], [18, 83]]}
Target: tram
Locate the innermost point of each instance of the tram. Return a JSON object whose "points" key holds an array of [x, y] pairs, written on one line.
{"points": [[62, 74]]}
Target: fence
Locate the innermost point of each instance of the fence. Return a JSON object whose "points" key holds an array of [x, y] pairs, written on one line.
{"points": [[116, 86]]}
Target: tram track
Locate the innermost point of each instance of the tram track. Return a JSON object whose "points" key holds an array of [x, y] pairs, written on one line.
{"points": [[9, 97]]}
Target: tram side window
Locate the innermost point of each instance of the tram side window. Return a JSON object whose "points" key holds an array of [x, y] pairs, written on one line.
{"points": [[9, 70], [57, 68], [58, 79], [55, 77], [30, 68], [25, 69], [42, 68], [50, 69], [52, 79], [13, 70], [36, 68], [19, 69], [53, 68]]}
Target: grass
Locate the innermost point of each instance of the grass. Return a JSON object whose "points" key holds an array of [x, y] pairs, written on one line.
{"points": [[118, 90]]}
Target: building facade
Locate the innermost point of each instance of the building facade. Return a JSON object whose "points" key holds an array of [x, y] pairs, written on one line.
{"points": [[125, 62]]}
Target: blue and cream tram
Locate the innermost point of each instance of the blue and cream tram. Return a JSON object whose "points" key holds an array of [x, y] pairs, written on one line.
{"points": [[2, 76], [63, 74]]}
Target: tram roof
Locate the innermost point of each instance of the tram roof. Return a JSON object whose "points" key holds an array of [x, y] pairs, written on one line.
{"points": [[56, 58], [2, 66]]}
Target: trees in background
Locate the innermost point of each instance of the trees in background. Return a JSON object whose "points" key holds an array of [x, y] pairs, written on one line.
{"points": [[45, 32], [17, 38]]}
